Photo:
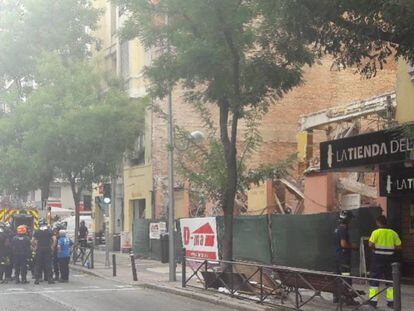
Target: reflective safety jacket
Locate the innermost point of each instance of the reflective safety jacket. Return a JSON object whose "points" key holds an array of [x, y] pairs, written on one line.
{"points": [[385, 241]]}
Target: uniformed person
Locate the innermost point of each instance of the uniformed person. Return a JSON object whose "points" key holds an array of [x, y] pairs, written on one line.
{"points": [[21, 247], [43, 243], [343, 248], [385, 243], [4, 254]]}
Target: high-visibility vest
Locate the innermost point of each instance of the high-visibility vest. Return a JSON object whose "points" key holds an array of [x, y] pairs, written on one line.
{"points": [[385, 241]]}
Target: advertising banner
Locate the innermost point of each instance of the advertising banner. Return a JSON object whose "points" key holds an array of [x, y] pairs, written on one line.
{"points": [[156, 229], [199, 237]]}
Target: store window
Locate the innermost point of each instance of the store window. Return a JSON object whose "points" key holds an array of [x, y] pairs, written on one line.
{"points": [[55, 191]]}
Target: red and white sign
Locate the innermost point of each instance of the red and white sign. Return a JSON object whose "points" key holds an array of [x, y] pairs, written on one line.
{"points": [[200, 237]]}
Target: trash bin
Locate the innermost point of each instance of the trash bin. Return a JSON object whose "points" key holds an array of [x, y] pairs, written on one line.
{"points": [[164, 247], [117, 242]]}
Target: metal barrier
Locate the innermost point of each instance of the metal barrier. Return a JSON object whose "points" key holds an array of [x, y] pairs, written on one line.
{"points": [[274, 285], [83, 255]]}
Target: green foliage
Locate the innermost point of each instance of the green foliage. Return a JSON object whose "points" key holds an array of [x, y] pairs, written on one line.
{"points": [[362, 33], [206, 40], [69, 125], [221, 53], [30, 28]]}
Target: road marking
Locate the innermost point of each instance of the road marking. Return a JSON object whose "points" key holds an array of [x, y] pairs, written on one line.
{"points": [[68, 291], [90, 287], [15, 289], [78, 275], [123, 286]]}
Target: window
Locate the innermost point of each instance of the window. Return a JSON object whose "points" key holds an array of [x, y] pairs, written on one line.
{"points": [[125, 59], [139, 208], [87, 203], [55, 191], [112, 63], [137, 155]]}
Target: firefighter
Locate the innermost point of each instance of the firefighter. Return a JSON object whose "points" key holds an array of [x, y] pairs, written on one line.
{"points": [[385, 243], [343, 249], [43, 243], [21, 253]]}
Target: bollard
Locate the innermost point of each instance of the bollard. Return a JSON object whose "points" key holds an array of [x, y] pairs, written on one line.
{"points": [[183, 270], [134, 268], [113, 265], [396, 277], [92, 258]]}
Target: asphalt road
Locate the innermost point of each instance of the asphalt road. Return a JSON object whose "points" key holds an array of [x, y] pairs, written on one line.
{"points": [[87, 293]]}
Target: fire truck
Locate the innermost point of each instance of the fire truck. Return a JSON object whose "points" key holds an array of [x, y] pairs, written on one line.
{"points": [[17, 217]]}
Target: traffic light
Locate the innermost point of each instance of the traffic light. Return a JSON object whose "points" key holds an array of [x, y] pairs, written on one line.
{"points": [[107, 193]]}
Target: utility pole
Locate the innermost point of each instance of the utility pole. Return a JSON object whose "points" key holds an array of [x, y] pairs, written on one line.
{"points": [[171, 207], [112, 213]]}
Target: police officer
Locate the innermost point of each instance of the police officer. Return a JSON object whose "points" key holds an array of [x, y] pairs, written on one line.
{"points": [[385, 243], [44, 243], [4, 256], [343, 249], [21, 247]]}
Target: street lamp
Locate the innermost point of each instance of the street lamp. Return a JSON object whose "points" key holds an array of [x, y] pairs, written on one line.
{"points": [[197, 136]]}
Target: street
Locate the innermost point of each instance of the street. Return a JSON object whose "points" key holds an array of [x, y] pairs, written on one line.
{"points": [[88, 293]]}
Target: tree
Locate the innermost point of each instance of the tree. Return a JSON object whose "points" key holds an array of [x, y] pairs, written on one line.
{"points": [[79, 129], [221, 53], [361, 33], [29, 28]]}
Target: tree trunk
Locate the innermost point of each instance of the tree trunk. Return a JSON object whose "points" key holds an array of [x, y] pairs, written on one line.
{"points": [[44, 194], [229, 195]]}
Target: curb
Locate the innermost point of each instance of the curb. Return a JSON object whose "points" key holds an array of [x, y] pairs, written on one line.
{"points": [[192, 294]]}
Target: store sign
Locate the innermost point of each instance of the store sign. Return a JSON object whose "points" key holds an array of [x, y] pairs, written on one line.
{"points": [[397, 181], [199, 237], [367, 149]]}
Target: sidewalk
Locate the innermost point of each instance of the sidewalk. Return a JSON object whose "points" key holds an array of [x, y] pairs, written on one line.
{"points": [[154, 275]]}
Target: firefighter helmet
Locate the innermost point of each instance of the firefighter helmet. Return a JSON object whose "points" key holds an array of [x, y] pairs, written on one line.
{"points": [[22, 229]]}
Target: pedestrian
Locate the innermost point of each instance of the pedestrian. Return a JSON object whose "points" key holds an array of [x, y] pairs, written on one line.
{"points": [[64, 248], [43, 243], [343, 249], [21, 247], [385, 244], [83, 234]]}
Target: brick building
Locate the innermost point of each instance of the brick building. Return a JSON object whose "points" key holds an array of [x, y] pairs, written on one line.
{"points": [[141, 188]]}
